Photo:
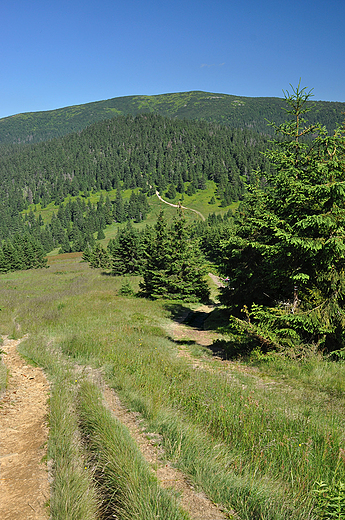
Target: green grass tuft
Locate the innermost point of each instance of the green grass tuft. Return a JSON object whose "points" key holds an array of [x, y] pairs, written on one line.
{"points": [[130, 488], [3, 373]]}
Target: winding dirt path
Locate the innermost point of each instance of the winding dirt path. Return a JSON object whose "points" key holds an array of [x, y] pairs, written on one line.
{"points": [[24, 486], [178, 205]]}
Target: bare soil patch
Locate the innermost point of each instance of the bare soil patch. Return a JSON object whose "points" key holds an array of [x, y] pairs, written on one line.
{"points": [[186, 332], [24, 486]]}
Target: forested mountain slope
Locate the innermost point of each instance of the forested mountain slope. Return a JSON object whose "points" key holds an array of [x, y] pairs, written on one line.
{"points": [[142, 151], [234, 111]]}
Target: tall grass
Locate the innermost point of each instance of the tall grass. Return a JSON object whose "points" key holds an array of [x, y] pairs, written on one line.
{"points": [[274, 440], [130, 488], [73, 494], [314, 372], [247, 493], [253, 443]]}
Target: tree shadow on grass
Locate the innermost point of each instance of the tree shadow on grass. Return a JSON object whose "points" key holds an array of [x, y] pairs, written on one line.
{"points": [[216, 349], [219, 351], [178, 311], [200, 320], [183, 341], [182, 314]]}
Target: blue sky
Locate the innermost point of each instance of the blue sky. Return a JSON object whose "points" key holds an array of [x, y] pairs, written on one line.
{"points": [[68, 52]]}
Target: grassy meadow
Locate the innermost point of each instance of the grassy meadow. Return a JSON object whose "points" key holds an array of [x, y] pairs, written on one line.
{"points": [[256, 436], [200, 201]]}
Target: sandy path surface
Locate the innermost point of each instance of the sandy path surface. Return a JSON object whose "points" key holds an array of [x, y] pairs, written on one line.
{"points": [[24, 487]]}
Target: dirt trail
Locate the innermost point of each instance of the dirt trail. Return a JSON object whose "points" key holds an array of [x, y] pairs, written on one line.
{"points": [[195, 503], [24, 487], [183, 207], [195, 332]]}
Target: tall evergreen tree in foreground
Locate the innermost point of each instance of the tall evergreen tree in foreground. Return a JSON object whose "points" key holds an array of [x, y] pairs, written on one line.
{"points": [[159, 255], [286, 259]]}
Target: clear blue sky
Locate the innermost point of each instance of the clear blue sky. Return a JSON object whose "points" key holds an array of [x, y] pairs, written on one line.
{"points": [[68, 52]]}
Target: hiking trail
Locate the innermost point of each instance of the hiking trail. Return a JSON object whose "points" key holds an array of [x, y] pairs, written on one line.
{"points": [[24, 485], [180, 206]]}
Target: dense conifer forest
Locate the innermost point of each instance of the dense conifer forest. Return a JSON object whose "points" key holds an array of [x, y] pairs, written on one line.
{"points": [[145, 152]]}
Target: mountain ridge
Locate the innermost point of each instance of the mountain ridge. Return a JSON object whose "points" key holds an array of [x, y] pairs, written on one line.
{"points": [[231, 110]]}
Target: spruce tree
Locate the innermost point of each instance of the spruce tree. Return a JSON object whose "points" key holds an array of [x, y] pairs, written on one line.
{"points": [[171, 193], [174, 265], [100, 234], [3, 262], [125, 252], [159, 257], [65, 245], [180, 185], [40, 259], [29, 254], [185, 274], [14, 252], [288, 251], [99, 257], [191, 189], [108, 211], [119, 208]]}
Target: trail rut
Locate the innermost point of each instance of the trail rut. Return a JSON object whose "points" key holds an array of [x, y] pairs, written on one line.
{"points": [[24, 486], [198, 506]]}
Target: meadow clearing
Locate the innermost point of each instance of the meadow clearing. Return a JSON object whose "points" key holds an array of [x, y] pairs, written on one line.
{"points": [[255, 436]]}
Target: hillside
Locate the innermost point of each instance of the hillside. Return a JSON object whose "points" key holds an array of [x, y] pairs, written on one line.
{"points": [[129, 152], [159, 407], [234, 111], [253, 436]]}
